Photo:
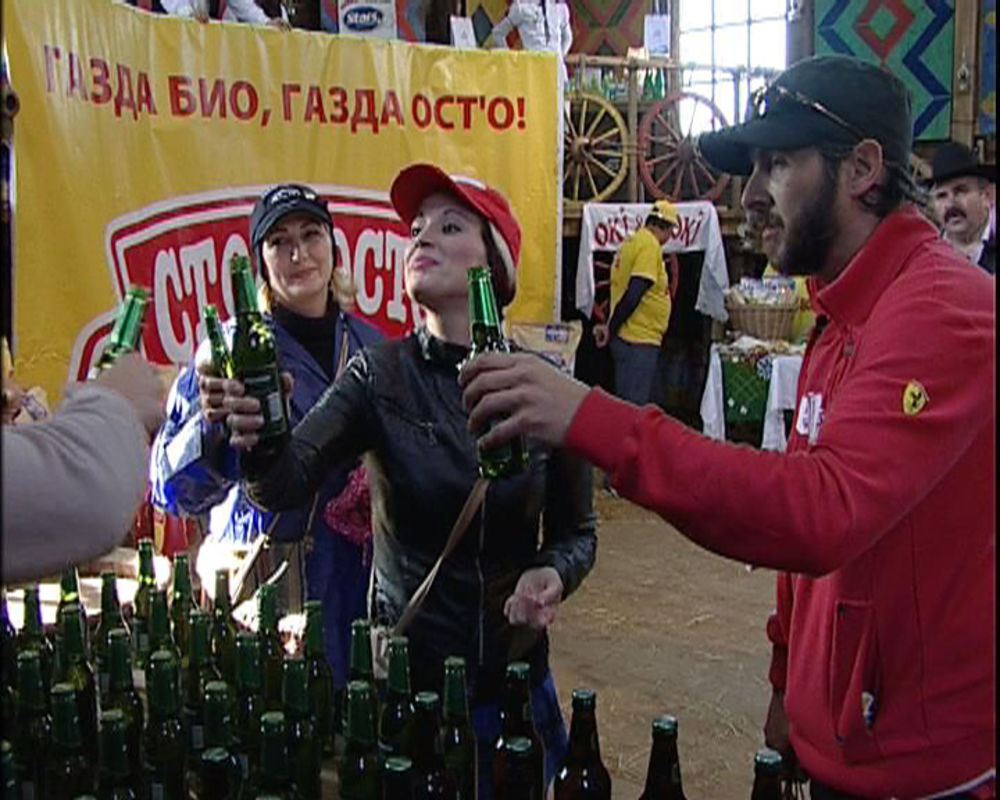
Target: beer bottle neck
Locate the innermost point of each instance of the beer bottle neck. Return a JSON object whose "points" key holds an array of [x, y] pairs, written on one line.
{"points": [[294, 689], [247, 665], [314, 634], [120, 671], [65, 719], [399, 671], [456, 705], [360, 714], [244, 293], [146, 575], [32, 613], [583, 741], [31, 692], [110, 607], [361, 652], [72, 633]]}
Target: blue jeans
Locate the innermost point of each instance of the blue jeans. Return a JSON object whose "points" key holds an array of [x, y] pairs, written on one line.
{"points": [[548, 722], [635, 370]]}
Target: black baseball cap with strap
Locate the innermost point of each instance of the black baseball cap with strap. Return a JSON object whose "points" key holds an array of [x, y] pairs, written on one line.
{"points": [[823, 101]]}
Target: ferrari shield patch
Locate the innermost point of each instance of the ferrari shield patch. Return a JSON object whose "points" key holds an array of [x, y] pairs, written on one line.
{"points": [[914, 398]]}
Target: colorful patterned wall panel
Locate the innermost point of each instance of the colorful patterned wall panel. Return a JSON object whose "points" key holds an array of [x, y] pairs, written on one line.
{"points": [[608, 27], [913, 38], [988, 70], [487, 13]]}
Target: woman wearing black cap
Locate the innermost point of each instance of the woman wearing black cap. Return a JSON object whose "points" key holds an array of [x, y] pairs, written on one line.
{"points": [[193, 468], [399, 402]]}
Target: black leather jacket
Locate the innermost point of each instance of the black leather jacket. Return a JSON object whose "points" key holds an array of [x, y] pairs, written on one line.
{"points": [[399, 402]]}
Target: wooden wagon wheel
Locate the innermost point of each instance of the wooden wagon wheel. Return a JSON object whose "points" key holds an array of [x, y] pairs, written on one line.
{"points": [[669, 162], [594, 158]]}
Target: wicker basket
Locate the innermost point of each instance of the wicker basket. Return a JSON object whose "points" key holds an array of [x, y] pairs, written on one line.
{"points": [[763, 321]]}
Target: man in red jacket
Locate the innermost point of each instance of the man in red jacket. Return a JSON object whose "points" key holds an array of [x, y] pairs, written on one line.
{"points": [[880, 517]]}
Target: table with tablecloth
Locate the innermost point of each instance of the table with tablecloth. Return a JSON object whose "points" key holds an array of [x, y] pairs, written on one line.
{"points": [[782, 377]]}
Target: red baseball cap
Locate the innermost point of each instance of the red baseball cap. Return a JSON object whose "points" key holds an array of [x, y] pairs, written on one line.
{"points": [[417, 182]]}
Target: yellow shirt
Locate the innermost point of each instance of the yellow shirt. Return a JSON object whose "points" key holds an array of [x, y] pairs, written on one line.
{"points": [[642, 256], [805, 319]]}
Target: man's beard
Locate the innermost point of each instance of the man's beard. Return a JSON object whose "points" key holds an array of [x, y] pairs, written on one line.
{"points": [[807, 240]]}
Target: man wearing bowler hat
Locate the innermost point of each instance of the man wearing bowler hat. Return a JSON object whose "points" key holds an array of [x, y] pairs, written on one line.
{"points": [[964, 202], [880, 518]]}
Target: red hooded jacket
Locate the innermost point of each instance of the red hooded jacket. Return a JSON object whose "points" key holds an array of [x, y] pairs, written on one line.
{"points": [[881, 515]]}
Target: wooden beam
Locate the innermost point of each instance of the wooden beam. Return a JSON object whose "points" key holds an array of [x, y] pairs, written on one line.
{"points": [[965, 72]]}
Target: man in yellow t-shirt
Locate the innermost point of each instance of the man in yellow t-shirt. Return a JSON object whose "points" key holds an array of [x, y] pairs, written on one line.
{"points": [[640, 305]]}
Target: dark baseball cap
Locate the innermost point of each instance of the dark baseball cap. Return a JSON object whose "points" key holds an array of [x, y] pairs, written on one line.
{"points": [[830, 100], [280, 201]]}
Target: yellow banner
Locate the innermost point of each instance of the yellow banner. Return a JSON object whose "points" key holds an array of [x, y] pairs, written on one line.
{"points": [[143, 140]]}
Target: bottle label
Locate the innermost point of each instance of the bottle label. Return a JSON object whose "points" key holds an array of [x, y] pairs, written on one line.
{"points": [[156, 791], [27, 790], [105, 682], [197, 737], [267, 391], [244, 765]]}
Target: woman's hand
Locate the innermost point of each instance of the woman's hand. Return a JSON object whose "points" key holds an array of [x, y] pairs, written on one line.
{"points": [[535, 599], [243, 412]]}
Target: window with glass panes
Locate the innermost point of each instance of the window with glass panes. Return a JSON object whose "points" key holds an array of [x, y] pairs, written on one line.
{"points": [[732, 47]]}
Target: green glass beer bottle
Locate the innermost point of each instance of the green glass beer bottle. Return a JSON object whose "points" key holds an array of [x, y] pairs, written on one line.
{"points": [[163, 750], [249, 702], [271, 652], [114, 778], [767, 775], [395, 724], [458, 738], [518, 780], [77, 672], [69, 772], [222, 361], [486, 336], [272, 778], [663, 777], [141, 603], [126, 331], [32, 636], [397, 779], [319, 675], [303, 743], [111, 619], [33, 733], [223, 629], [583, 774], [181, 605], [518, 719], [122, 696], [219, 775], [430, 781], [255, 363], [359, 765], [200, 672]]}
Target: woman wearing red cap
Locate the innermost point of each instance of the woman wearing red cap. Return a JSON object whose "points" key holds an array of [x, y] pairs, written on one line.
{"points": [[400, 403]]}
